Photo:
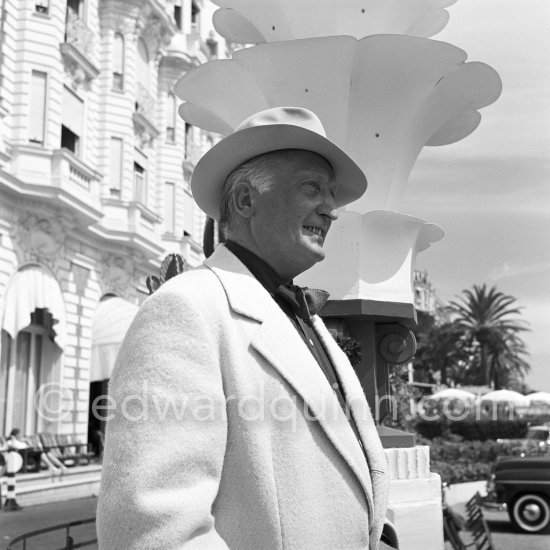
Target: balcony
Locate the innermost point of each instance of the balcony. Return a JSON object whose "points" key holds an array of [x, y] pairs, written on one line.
{"points": [[141, 220], [131, 222], [178, 57], [72, 175], [78, 47], [58, 178], [196, 48]]}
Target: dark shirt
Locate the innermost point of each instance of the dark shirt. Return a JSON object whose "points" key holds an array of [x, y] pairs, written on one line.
{"points": [[271, 280]]}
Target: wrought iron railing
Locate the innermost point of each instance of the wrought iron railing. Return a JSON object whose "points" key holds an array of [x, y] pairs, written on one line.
{"points": [[20, 542]]}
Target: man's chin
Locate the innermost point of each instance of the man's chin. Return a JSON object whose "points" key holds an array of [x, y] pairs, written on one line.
{"points": [[317, 254]]}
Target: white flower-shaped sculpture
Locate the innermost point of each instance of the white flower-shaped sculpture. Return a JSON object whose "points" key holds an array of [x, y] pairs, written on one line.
{"points": [[377, 261], [381, 98], [256, 21]]}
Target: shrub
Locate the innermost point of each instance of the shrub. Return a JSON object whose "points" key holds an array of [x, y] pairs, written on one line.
{"points": [[474, 429], [461, 472], [457, 461]]}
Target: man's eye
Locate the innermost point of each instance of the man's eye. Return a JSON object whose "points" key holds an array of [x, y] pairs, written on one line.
{"points": [[311, 185]]}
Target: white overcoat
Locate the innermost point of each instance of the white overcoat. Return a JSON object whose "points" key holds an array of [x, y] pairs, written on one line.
{"points": [[225, 432]]}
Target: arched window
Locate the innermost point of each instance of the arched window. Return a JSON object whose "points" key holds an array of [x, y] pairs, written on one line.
{"points": [[32, 340], [171, 111], [118, 62], [142, 69]]}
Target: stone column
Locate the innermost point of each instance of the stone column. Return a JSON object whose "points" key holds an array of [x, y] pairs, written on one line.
{"points": [[415, 499]]}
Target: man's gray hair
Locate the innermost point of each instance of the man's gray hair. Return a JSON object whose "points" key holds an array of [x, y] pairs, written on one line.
{"points": [[257, 172]]}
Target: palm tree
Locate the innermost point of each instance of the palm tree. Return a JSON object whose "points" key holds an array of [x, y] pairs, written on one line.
{"points": [[508, 364], [488, 317], [440, 349]]}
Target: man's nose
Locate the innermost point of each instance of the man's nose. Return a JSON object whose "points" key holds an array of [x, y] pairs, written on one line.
{"points": [[328, 207]]}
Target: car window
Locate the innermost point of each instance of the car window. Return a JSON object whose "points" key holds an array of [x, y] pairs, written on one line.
{"points": [[537, 435]]}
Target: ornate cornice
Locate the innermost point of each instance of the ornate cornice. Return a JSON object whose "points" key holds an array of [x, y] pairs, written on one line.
{"points": [[146, 18], [145, 131], [79, 69], [117, 275], [40, 238]]}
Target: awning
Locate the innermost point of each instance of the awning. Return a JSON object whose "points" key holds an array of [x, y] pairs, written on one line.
{"points": [[29, 289], [112, 318]]}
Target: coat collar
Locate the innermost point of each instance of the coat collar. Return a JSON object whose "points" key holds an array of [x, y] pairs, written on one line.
{"points": [[280, 344], [244, 293]]}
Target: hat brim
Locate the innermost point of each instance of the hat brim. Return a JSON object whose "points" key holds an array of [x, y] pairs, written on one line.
{"points": [[212, 170]]}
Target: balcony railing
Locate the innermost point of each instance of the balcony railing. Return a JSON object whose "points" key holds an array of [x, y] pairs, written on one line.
{"points": [[143, 221], [72, 175], [78, 34]]}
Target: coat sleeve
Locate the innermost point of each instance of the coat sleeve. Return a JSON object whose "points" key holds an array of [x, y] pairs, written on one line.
{"points": [[166, 432]]}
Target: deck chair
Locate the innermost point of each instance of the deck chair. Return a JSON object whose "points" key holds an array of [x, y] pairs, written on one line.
{"points": [[74, 448], [51, 445]]}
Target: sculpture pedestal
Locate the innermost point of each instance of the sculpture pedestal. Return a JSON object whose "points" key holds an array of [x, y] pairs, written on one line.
{"points": [[383, 331], [415, 506]]}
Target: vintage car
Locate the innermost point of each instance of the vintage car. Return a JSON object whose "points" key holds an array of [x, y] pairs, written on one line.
{"points": [[536, 441], [523, 485]]}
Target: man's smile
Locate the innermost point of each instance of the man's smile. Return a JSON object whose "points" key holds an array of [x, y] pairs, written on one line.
{"points": [[316, 230]]}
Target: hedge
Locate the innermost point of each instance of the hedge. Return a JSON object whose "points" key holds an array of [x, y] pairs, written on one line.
{"points": [[457, 461], [479, 430]]}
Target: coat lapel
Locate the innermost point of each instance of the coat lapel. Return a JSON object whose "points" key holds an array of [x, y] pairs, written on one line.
{"points": [[360, 411], [280, 344]]}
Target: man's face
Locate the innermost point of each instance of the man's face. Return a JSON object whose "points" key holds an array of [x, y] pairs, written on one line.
{"points": [[290, 221]]}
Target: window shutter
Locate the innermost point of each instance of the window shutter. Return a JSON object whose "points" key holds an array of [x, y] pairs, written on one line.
{"points": [[37, 110], [73, 112], [115, 171]]}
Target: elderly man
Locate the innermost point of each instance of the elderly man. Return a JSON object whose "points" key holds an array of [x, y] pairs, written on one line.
{"points": [[238, 422]]}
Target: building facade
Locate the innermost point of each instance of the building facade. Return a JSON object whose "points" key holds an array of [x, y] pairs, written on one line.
{"points": [[95, 167], [426, 299]]}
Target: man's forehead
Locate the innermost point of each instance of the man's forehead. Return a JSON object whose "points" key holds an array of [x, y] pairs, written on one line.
{"points": [[303, 160]]}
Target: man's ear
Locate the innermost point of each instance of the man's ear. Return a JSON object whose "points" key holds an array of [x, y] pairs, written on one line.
{"points": [[243, 200]]}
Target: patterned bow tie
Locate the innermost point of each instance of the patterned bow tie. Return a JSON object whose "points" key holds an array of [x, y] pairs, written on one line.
{"points": [[305, 302]]}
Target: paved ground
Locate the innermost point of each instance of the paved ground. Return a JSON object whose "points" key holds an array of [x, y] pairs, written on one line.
{"points": [[45, 515], [506, 537]]}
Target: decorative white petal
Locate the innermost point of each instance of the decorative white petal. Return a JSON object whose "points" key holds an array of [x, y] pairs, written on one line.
{"points": [[255, 21], [378, 258], [381, 99], [198, 116], [235, 28], [224, 88]]}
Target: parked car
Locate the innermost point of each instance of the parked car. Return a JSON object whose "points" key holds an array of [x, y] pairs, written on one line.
{"points": [[523, 485], [535, 442]]}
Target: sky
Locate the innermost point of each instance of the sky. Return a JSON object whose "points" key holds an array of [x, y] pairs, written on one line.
{"points": [[490, 192]]}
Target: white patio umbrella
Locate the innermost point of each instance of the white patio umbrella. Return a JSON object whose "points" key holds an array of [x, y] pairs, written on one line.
{"points": [[539, 398], [252, 21], [505, 396], [453, 393]]}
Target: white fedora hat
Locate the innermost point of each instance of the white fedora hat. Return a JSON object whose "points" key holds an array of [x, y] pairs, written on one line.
{"points": [[264, 132]]}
